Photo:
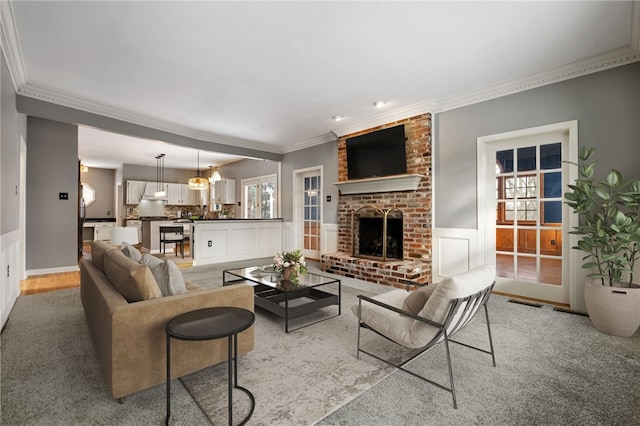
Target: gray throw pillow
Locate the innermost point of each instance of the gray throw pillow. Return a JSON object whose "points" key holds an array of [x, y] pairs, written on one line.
{"points": [[167, 275], [131, 252], [416, 300]]}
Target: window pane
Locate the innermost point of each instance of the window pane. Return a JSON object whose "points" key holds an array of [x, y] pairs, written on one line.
{"points": [[552, 185], [552, 212], [527, 158], [550, 156], [504, 159]]}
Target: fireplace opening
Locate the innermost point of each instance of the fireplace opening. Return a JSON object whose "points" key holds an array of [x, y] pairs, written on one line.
{"points": [[377, 233]]}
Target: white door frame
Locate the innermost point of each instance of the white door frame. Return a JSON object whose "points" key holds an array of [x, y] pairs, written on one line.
{"points": [[486, 203], [298, 216]]}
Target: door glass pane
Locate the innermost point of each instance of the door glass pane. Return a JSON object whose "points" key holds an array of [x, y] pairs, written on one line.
{"points": [[527, 269], [552, 184], [550, 156], [251, 201], [552, 213], [311, 212], [527, 159], [267, 200], [505, 268], [504, 160]]}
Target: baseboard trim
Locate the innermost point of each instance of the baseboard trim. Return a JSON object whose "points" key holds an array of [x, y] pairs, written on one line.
{"points": [[46, 271]]}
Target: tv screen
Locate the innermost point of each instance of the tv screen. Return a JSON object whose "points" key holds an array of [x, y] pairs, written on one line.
{"points": [[377, 154]]}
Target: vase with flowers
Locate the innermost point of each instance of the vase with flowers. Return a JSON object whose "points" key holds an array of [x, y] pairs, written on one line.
{"points": [[292, 265]]}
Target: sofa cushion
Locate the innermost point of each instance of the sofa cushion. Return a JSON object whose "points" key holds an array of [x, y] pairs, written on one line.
{"points": [[415, 301], [132, 279], [98, 251], [454, 287], [167, 275], [131, 252]]}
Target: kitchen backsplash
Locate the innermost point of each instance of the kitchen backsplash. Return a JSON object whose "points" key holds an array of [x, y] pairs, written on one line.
{"points": [[134, 212]]}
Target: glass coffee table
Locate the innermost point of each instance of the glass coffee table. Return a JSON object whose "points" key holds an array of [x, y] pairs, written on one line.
{"points": [[284, 299]]}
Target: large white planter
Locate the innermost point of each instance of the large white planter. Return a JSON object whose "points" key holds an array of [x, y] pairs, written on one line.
{"points": [[613, 310]]}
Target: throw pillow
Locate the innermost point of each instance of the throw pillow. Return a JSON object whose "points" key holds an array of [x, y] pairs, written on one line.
{"points": [[455, 287], [415, 301], [131, 252], [167, 275], [98, 251], [133, 280]]}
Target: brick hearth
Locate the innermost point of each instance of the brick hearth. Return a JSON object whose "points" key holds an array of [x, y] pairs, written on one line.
{"points": [[415, 207]]}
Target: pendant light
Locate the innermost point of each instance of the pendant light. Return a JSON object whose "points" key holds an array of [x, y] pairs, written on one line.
{"points": [[198, 183], [160, 191]]}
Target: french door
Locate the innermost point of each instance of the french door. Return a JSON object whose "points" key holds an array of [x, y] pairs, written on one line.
{"points": [[308, 212], [529, 223]]}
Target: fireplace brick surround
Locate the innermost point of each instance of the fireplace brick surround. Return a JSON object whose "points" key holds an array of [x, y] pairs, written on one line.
{"points": [[415, 207]]}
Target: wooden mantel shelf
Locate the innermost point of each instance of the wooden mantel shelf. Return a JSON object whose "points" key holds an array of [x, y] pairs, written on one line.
{"points": [[408, 182]]}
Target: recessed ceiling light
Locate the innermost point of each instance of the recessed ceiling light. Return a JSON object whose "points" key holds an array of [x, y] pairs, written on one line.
{"points": [[338, 117], [379, 104]]}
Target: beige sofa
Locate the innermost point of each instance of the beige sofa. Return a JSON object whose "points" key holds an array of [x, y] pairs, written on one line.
{"points": [[130, 338]]}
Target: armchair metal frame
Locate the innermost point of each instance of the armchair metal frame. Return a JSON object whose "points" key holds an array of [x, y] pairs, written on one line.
{"points": [[461, 312]]}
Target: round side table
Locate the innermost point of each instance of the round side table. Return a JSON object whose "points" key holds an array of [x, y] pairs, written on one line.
{"points": [[209, 324]]}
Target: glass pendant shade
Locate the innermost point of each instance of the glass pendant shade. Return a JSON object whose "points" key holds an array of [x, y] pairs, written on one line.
{"points": [[198, 183]]}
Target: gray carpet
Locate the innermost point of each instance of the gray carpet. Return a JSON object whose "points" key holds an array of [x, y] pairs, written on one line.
{"points": [[51, 374], [553, 368]]}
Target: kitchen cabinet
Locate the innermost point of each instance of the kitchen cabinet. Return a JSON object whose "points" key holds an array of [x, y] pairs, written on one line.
{"points": [[225, 191], [135, 190], [102, 231], [179, 194]]}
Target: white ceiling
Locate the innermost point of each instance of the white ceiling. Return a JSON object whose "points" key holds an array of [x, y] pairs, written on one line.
{"points": [[270, 75]]}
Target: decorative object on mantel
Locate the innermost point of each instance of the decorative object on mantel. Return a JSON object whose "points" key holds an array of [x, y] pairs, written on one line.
{"points": [[198, 183], [290, 265], [610, 236], [407, 182]]}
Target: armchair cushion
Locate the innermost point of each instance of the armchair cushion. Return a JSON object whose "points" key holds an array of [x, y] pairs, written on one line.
{"points": [[415, 301], [402, 329], [454, 287]]}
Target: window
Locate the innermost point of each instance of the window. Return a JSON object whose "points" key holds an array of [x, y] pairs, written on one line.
{"points": [[259, 197]]}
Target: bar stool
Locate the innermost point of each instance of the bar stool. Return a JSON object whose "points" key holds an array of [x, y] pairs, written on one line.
{"points": [[172, 235]]}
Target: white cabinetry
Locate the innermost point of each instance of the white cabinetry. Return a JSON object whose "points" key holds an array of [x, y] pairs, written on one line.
{"points": [[135, 189], [179, 194], [225, 191], [102, 231]]}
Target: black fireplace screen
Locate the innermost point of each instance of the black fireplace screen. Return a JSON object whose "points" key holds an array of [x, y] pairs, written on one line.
{"points": [[377, 233]]}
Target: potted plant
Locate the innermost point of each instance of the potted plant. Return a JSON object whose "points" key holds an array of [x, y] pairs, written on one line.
{"points": [[609, 230]]}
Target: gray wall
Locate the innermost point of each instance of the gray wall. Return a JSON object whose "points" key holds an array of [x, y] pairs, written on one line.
{"points": [[606, 105], [103, 182], [13, 125], [52, 167], [325, 155], [149, 174], [246, 169]]}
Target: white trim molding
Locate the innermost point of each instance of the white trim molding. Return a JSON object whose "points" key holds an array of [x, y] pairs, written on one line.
{"points": [[395, 183], [454, 251]]}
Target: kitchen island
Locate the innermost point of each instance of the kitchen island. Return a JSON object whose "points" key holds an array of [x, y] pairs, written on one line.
{"points": [[151, 233], [227, 240]]}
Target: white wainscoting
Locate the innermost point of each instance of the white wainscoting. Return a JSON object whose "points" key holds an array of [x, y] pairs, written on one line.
{"points": [[454, 251], [329, 238], [10, 281]]}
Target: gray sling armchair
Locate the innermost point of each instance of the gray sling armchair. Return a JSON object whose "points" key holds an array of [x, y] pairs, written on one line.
{"points": [[428, 316]]}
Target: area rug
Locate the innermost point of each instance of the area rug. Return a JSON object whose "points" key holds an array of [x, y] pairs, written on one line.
{"points": [[297, 378]]}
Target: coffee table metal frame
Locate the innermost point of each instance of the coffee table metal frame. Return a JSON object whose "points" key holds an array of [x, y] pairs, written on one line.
{"points": [[273, 297], [209, 324]]}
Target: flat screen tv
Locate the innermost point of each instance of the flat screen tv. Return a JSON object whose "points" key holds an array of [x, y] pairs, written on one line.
{"points": [[377, 154]]}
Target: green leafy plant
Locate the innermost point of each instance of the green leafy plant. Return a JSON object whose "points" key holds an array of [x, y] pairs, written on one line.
{"points": [[608, 211]]}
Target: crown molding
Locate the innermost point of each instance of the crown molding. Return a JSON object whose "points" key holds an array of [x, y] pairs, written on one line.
{"points": [[386, 118], [73, 102], [11, 47], [610, 60], [327, 137]]}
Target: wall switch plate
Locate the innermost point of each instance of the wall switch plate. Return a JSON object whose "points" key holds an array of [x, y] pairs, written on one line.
{"points": [[209, 243], [63, 195], [328, 198]]}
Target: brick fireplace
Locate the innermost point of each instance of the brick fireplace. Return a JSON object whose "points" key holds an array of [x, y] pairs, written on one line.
{"points": [[414, 205]]}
